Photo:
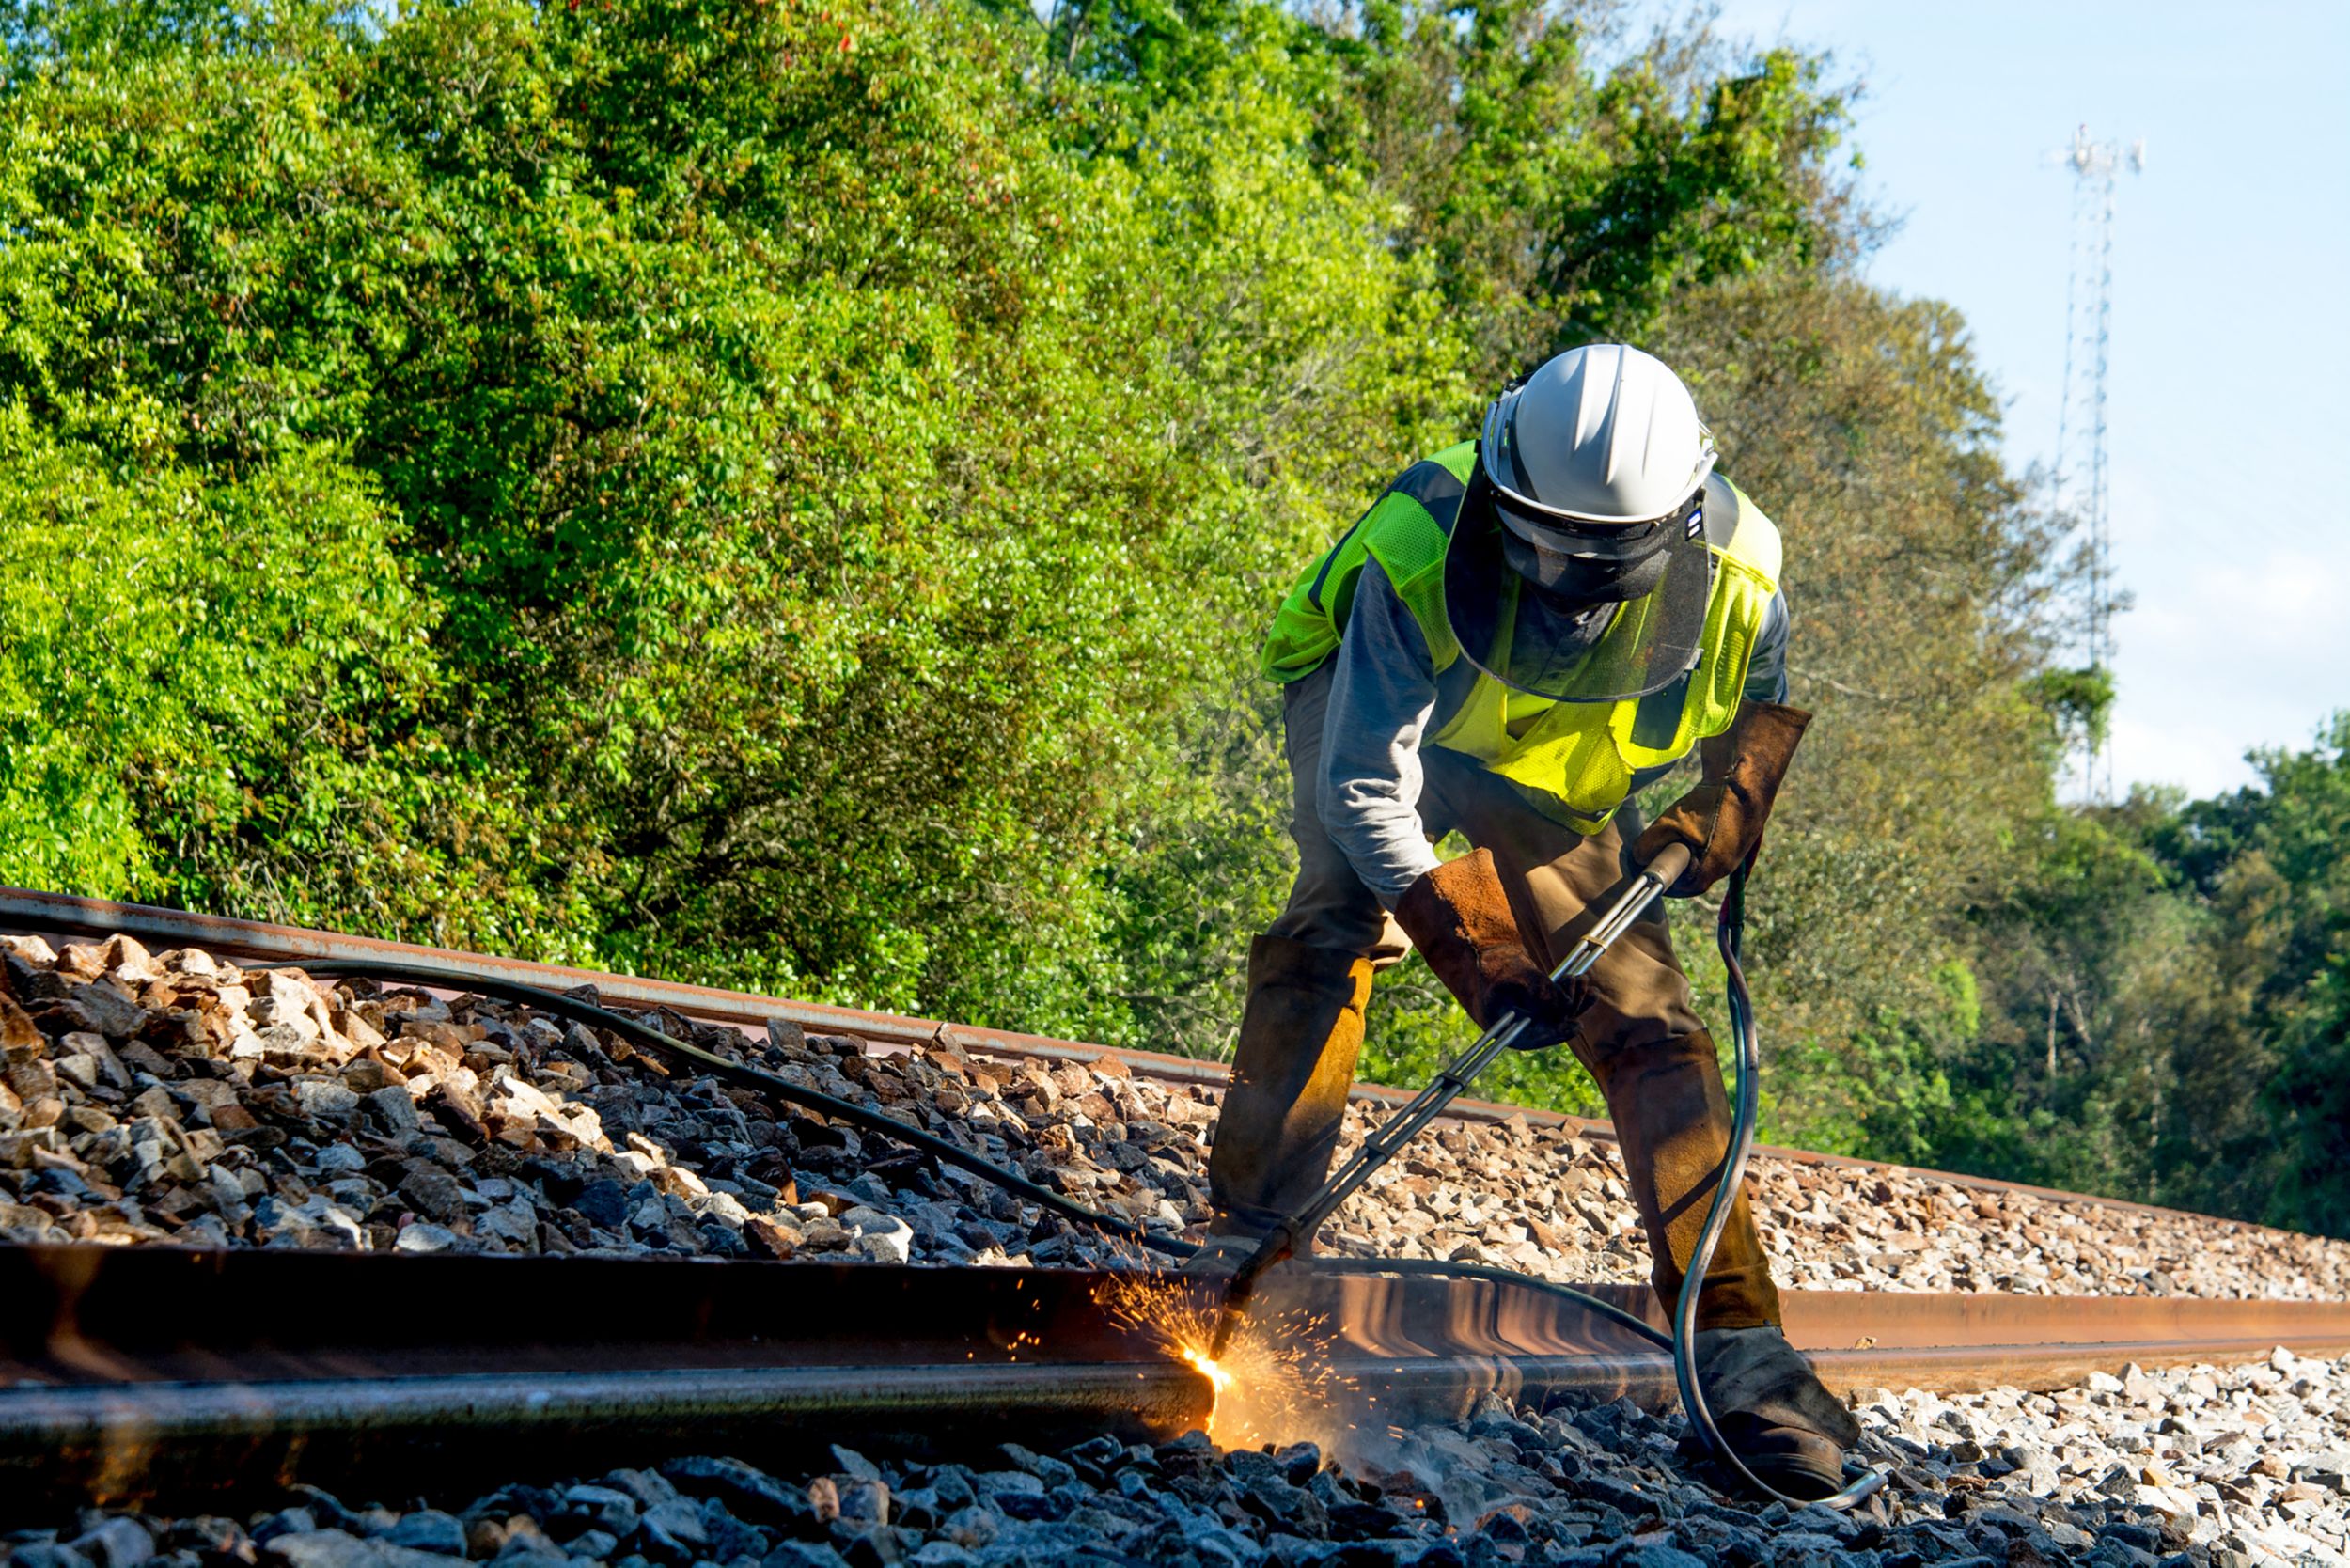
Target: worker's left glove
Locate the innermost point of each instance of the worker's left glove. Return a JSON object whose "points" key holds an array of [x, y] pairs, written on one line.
{"points": [[1459, 918], [1721, 818]]}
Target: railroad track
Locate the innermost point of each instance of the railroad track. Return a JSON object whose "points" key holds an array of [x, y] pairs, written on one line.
{"points": [[27, 910], [134, 1373], [147, 1373]]}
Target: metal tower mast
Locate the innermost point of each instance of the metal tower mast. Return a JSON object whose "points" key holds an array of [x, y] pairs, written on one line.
{"points": [[2081, 417]]}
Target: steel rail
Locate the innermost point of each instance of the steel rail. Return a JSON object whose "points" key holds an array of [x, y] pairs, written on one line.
{"points": [[28, 912], [131, 1373]]}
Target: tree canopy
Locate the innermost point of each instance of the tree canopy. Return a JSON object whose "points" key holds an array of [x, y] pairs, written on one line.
{"points": [[787, 496]]}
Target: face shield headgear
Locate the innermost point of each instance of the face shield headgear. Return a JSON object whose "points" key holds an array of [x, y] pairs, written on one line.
{"points": [[1589, 491]]}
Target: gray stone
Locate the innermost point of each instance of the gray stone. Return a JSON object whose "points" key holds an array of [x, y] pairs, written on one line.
{"points": [[423, 1236], [116, 1544], [45, 1554], [429, 1529], [997, 1483], [856, 1464], [285, 1521], [325, 1099], [972, 1527], [603, 1203], [433, 1193], [107, 1011], [672, 1532], [334, 1548], [1299, 1462], [1052, 1472], [604, 1508], [867, 1501], [750, 1493], [804, 1554], [392, 1107], [1655, 1557]]}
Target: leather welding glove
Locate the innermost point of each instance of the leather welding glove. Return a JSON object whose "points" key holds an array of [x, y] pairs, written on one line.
{"points": [[1459, 918], [1721, 818]]}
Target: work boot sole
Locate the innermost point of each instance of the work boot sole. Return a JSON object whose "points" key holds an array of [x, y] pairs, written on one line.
{"points": [[1789, 1460]]}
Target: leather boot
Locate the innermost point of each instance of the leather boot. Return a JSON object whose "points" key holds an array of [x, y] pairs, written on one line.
{"points": [[1299, 1037], [1672, 1124], [1772, 1411]]}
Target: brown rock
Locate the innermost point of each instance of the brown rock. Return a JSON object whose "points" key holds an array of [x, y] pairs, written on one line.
{"points": [[457, 1109], [776, 1241], [31, 1078], [232, 1118], [20, 1036], [364, 1075], [176, 1203], [352, 1026], [29, 949], [125, 954], [81, 961], [156, 1101]]}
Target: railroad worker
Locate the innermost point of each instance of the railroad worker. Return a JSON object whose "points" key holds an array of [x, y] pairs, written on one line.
{"points": [[1521, 633]]}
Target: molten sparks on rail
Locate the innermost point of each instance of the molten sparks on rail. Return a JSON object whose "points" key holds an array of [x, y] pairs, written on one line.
{"points": [[1210, 1368], [1270, 1384]]}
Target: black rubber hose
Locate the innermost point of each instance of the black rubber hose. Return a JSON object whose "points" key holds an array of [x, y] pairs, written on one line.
{"points": [[755, 1078], [1730, 938]]}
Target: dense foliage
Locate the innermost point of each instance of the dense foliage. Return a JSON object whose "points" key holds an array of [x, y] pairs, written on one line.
{"points": [[786, 495]]}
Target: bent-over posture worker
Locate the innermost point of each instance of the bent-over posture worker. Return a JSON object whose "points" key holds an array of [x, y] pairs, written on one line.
{"points": [[1521, 632]]}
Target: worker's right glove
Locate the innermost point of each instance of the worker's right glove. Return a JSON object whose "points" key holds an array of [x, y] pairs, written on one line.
{"points": [[1459, 918]]}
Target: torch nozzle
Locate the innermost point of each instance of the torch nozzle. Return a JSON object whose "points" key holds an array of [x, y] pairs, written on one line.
{"points": [[1243, 1286]]}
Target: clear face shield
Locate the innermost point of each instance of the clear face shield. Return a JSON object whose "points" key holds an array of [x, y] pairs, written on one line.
{"points": [[1571, 609]]}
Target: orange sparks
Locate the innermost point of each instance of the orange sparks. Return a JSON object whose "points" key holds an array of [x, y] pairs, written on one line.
{"points": [[1270, 1386]]}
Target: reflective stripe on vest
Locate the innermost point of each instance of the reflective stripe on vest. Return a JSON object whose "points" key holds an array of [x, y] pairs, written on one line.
{"points": [[1578, 756]]}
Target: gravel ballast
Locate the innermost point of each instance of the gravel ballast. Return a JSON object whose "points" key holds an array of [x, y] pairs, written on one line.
{"points": [[2160, 1469], [175, 1098]]}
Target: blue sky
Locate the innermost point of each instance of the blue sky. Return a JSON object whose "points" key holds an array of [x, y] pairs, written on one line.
{"points": [[2230, 355]]}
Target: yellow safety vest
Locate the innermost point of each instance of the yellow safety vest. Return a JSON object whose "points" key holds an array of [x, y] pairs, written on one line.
{"points": [[1577, 757]]}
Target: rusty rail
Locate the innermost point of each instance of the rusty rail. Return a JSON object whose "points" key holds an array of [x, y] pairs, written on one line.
{"points": [[129, 1373]]}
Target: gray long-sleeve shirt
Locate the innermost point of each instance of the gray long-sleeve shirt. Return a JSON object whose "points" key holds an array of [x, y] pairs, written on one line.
{"points": [[1385, 690]]}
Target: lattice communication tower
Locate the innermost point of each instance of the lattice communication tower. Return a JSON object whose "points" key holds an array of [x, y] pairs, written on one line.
{"points": [[2080, 462]]}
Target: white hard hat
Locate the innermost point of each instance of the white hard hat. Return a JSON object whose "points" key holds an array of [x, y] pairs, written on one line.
{"points": [[1601, 435], [1590, 486]]}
